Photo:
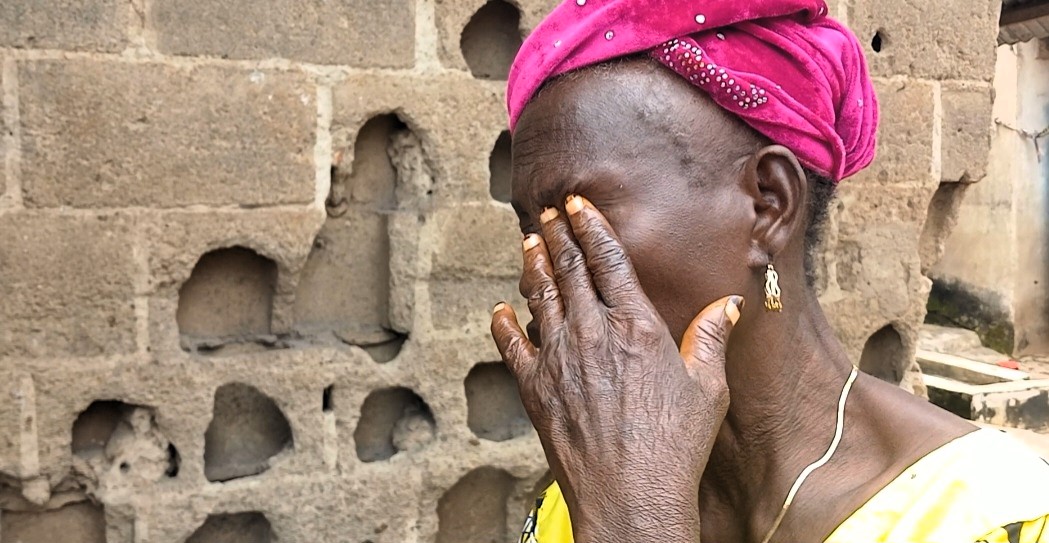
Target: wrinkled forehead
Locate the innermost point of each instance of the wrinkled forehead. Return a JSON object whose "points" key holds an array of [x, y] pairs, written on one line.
{"points": [[626, 119]]}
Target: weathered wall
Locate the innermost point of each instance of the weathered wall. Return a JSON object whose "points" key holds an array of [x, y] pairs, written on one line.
{"points": [[1002, 289], [248, 251]]}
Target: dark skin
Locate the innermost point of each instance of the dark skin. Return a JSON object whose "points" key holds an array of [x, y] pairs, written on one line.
{"points": [[661, 425]]}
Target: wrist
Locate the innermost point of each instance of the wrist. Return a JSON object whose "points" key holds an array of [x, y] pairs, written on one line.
{"points": [[633, 516]]}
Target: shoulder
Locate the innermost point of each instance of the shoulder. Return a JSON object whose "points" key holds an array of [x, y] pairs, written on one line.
{"points": [[959, 492]]}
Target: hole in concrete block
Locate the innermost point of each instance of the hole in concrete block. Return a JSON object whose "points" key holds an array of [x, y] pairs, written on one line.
{"points": [[494, 409], [475, 508], [228, 297], [174, 461], [246, 430], [326, 400], [234, 528], [499, 169], [490, 40], [392, 420], [112, 434], [83, 522], [878, 41], [94, 426], [883, 355], [940, 220], [344, 291], [385, 351]]}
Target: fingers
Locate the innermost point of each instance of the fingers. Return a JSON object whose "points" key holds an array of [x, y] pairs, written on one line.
{"points": [[569, 264], [539, 287], [609, 265], [704, 342], [518, 353]]}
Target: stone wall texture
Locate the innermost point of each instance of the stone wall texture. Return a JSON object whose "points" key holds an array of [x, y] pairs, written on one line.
{"points": [[248, 250]]}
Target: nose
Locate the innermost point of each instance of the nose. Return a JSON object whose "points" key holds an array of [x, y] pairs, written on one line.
{"points": [[533, 332]]}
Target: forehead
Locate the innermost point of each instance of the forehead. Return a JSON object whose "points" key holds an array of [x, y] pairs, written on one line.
{"points": [[592, 124], [625, 121]]}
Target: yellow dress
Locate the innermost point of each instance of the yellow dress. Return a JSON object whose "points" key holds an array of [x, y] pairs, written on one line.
{"points": [[983, 487]]}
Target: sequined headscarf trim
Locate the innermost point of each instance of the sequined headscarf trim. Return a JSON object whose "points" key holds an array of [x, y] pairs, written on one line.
{"points": [[784, 67]]}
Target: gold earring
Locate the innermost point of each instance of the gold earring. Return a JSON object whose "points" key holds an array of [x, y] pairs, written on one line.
{"points": [[772, 293]]}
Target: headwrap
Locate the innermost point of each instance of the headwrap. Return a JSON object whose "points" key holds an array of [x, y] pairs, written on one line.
{"points": [[783, 66]]}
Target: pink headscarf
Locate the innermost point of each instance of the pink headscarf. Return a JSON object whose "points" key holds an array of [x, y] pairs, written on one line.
{"points": [[783, 66]]}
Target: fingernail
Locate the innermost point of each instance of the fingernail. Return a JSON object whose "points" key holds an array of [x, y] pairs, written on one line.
{"points": [[498, 307], [733, 307], [573, 204], [548, 215], [531, 241]]}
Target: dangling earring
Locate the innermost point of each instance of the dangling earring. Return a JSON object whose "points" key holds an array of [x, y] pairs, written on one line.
{"points": [[772, 293]]}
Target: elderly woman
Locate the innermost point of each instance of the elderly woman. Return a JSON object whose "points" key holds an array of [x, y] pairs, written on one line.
{"points": [[669, 154]]}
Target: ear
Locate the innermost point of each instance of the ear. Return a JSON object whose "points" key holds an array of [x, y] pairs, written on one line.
{"points": [[773, 177]]}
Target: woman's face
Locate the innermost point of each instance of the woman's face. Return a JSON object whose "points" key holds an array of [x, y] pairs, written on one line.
{"points": [[661, 162]]}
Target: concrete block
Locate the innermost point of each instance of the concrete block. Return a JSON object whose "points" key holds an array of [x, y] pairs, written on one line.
{"points": [[1020, 404], [900, 207], [113, 134], [465, 307], [179, 239], [943, 214], [176, 400], [461, 253], [905, 134], [12, 400], [481, 37], [76, 523], [456, 118], [228, 297], [358, 33], [967, 130], [464, 517], [99, 25], [955, 39], [453, 18], [67, 285], [6, 135]]}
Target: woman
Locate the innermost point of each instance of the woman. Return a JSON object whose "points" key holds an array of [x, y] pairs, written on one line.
{"points": [[667, 154]]}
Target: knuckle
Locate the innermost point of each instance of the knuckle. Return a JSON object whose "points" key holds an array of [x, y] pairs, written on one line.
{"points": [[524, 286], [545, 293], [606, 248], [569, 260], [515, 349]]}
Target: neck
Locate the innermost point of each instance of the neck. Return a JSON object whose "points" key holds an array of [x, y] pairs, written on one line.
{"points": [[786, 379], [786, 373]]}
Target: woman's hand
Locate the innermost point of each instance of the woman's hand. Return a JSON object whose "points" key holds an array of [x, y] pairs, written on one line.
{"points": [[626, 419]]}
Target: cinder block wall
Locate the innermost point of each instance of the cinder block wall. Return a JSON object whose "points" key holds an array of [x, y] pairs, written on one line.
{"points": [[247, 253]]}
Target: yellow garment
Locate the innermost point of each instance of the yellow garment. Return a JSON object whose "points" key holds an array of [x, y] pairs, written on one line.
{"points": [[980, 488]]}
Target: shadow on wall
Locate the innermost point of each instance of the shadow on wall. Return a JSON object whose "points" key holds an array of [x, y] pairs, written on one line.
{"points": [[960, 306]]}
